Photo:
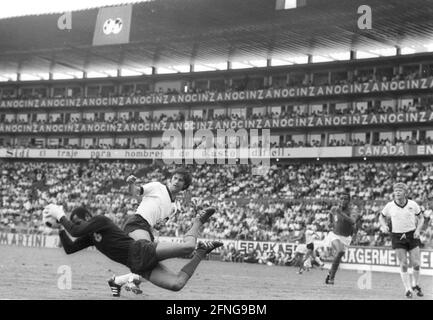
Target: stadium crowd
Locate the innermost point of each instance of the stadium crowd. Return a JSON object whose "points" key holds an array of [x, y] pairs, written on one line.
{"points": [[278, 205]]}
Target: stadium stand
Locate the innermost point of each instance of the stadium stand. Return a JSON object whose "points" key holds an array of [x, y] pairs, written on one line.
{"points": [[294, 195], [291, 197]]}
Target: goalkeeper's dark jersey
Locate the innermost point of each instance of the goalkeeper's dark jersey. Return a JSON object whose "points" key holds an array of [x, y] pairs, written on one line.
{"points": [[100, 232]]}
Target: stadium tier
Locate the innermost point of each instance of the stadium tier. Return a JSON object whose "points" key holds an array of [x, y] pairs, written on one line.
{"points": [[378, 108]]}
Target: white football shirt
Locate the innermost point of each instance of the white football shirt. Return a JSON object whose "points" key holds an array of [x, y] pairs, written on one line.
{"points": [[310, 236], [157, 204], [403, 218]]}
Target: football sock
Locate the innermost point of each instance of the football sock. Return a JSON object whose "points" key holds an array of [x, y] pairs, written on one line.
{"points": [[406, 280], [194, 231], [121, 280], [411, 279], [415, 277], [335, 264], [301, 265], [190, 267]]}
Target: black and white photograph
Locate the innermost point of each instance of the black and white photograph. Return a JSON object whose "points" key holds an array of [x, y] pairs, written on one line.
{"points": [[233, 152]]}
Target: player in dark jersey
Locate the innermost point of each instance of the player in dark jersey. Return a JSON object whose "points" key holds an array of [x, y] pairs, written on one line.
{"points": [[343, 220], [141, 257]]}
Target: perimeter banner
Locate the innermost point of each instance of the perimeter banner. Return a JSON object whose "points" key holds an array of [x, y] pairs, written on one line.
{"points": [[382, 257], [29, 240], [195, 154], [215, 97], [400, 150], [283, 122], [382, 151], [264, 247], [403, 150]]}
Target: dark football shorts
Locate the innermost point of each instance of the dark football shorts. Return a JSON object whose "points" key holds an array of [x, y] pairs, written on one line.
{"points": [[404, 241], [142, 257], [310, 246], [137, 222]]}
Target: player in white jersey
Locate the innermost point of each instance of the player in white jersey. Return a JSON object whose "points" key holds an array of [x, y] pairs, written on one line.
{"points": [[406, 223], [305, 254], [156, 207], [310, 256]]}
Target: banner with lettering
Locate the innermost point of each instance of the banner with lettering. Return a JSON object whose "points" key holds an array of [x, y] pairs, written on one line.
{"points": [[29, 240], [382, 151], [400, 150], [207, 155], [382, 257], [264, 247], [236, 96], [197, 155], [309, 122], [422, 150]]}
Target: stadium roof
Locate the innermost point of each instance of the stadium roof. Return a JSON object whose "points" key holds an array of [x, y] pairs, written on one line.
{"points": [[206, 32], [21, 8]]}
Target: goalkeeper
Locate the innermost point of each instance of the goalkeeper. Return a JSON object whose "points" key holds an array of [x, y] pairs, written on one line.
{"points": [[142, 257]]}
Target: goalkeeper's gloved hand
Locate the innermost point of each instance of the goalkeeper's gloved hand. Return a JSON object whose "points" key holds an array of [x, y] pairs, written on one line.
{"points": [[54, 211]]}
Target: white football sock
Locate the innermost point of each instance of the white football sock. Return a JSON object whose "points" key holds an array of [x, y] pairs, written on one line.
{"points": [[415, 277], [133, 277], [121, 280], [411, 279], [406, 280]]}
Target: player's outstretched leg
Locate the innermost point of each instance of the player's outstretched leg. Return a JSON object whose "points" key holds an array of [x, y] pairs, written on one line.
{"points": [[335, 264], [178, 250], [302, 260], [162, 277], [340, 250]]}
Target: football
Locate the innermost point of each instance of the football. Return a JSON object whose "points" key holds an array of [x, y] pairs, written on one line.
{"points": [[47, 219], [50, 222]]}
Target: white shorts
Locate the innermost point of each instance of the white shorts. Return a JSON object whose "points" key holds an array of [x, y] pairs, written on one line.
{"points": [[301, 248], [332, 236]]}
